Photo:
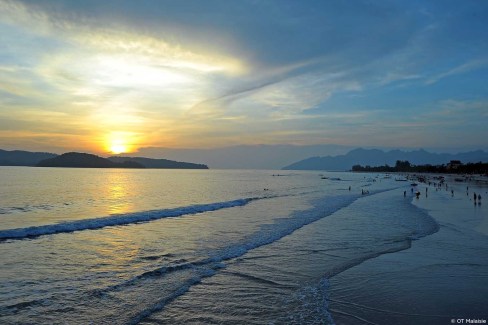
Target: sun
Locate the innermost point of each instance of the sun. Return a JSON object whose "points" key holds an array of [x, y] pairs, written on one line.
{"points": [[118, 142], [118, 145], [118, 148]]}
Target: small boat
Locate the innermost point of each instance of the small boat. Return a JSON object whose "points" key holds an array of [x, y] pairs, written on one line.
{"points": [[401, 179], [414, 184]]}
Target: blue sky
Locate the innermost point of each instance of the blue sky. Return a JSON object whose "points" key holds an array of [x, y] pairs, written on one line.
{"points": [[104, 76]]}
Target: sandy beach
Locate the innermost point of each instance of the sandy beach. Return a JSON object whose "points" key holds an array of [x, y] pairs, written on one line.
{"points": [[441, 279]]}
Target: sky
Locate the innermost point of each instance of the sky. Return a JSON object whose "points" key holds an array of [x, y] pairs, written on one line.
{"points": [[131, 76]]}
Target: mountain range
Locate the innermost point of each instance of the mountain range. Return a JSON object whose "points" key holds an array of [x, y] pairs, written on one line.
{"points": [[157, 163], [23, 158], [76, 159], [85, 160], [267, 157], [375, 157], [245, 156]]}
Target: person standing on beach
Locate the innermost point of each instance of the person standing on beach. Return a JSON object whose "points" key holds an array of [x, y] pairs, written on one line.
{"points": [[474, 196]]}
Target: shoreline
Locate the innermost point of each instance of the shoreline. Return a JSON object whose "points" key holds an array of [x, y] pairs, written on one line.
{"points": [[439, 278]]}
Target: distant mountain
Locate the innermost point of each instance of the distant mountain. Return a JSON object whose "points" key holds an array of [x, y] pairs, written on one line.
{"points": [[85, 160], [22, 158], [245, 156], [76, 159], [375, 157], [158, 163]]}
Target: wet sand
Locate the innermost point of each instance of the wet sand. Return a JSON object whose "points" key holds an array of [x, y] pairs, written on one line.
{"points": [[441, 279]]}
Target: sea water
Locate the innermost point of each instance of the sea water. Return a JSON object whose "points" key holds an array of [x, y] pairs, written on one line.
{"points": [[121, 246]]}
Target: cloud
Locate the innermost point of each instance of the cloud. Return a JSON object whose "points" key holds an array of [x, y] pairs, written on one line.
{"points": [[215, 72], [463, 68]]}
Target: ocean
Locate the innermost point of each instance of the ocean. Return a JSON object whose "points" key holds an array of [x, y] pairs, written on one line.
{"points": [[122, 246]]}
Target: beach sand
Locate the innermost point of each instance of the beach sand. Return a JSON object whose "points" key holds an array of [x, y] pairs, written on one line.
{"points": [[441, 279]]}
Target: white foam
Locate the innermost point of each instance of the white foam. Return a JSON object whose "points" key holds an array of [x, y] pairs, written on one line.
{"points": [[117, 220]]}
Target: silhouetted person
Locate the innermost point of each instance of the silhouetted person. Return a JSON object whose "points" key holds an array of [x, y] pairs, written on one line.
{"points": [[404, 193], [349, 188], [452, 192], [474, 195], [479, 197], [417, 194]]}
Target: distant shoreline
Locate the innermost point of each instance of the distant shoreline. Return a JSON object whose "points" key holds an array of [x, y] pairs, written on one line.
{"points": [[86, 160], [453, 167]]}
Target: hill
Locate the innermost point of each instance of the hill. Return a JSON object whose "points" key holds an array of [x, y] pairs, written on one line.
{"points": [[76, 159], [22, 158], [158, 163], [245, 156], [375, 157], [85, 160]]}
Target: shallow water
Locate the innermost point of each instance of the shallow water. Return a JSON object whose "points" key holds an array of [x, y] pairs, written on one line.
{"points": [[190, 246], [442, 277]]}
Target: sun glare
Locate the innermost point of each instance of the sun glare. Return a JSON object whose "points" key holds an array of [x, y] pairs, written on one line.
{"points": [[120, 71], [117, 143], [118, 148]]}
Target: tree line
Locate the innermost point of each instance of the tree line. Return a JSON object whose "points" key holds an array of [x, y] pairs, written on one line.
{"points": [[406, 166]]}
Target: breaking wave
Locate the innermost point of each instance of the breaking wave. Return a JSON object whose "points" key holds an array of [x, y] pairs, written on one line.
{"points": [[118, 220]]}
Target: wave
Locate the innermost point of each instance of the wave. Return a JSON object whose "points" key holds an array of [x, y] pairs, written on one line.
{"points": [[268, 234], [118, 220], [308, 305], [159, 305]]}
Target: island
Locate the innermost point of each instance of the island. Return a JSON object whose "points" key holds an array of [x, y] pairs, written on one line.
{"points": [[158, 163], [85, 160], [23, 158]]}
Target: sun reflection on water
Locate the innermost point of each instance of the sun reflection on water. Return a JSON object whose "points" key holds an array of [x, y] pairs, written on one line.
{"points": [[119, 192]]}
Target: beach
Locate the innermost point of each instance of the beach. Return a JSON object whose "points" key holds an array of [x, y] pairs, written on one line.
{"points": [[237, 247], [440, 279]]}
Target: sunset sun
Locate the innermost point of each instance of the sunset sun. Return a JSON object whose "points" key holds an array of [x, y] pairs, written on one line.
{"points": [[118, 148], [118, 143]]}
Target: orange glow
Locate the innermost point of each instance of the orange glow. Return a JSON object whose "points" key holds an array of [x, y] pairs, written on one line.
{"points": [[118, 148], [119, 142]]}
